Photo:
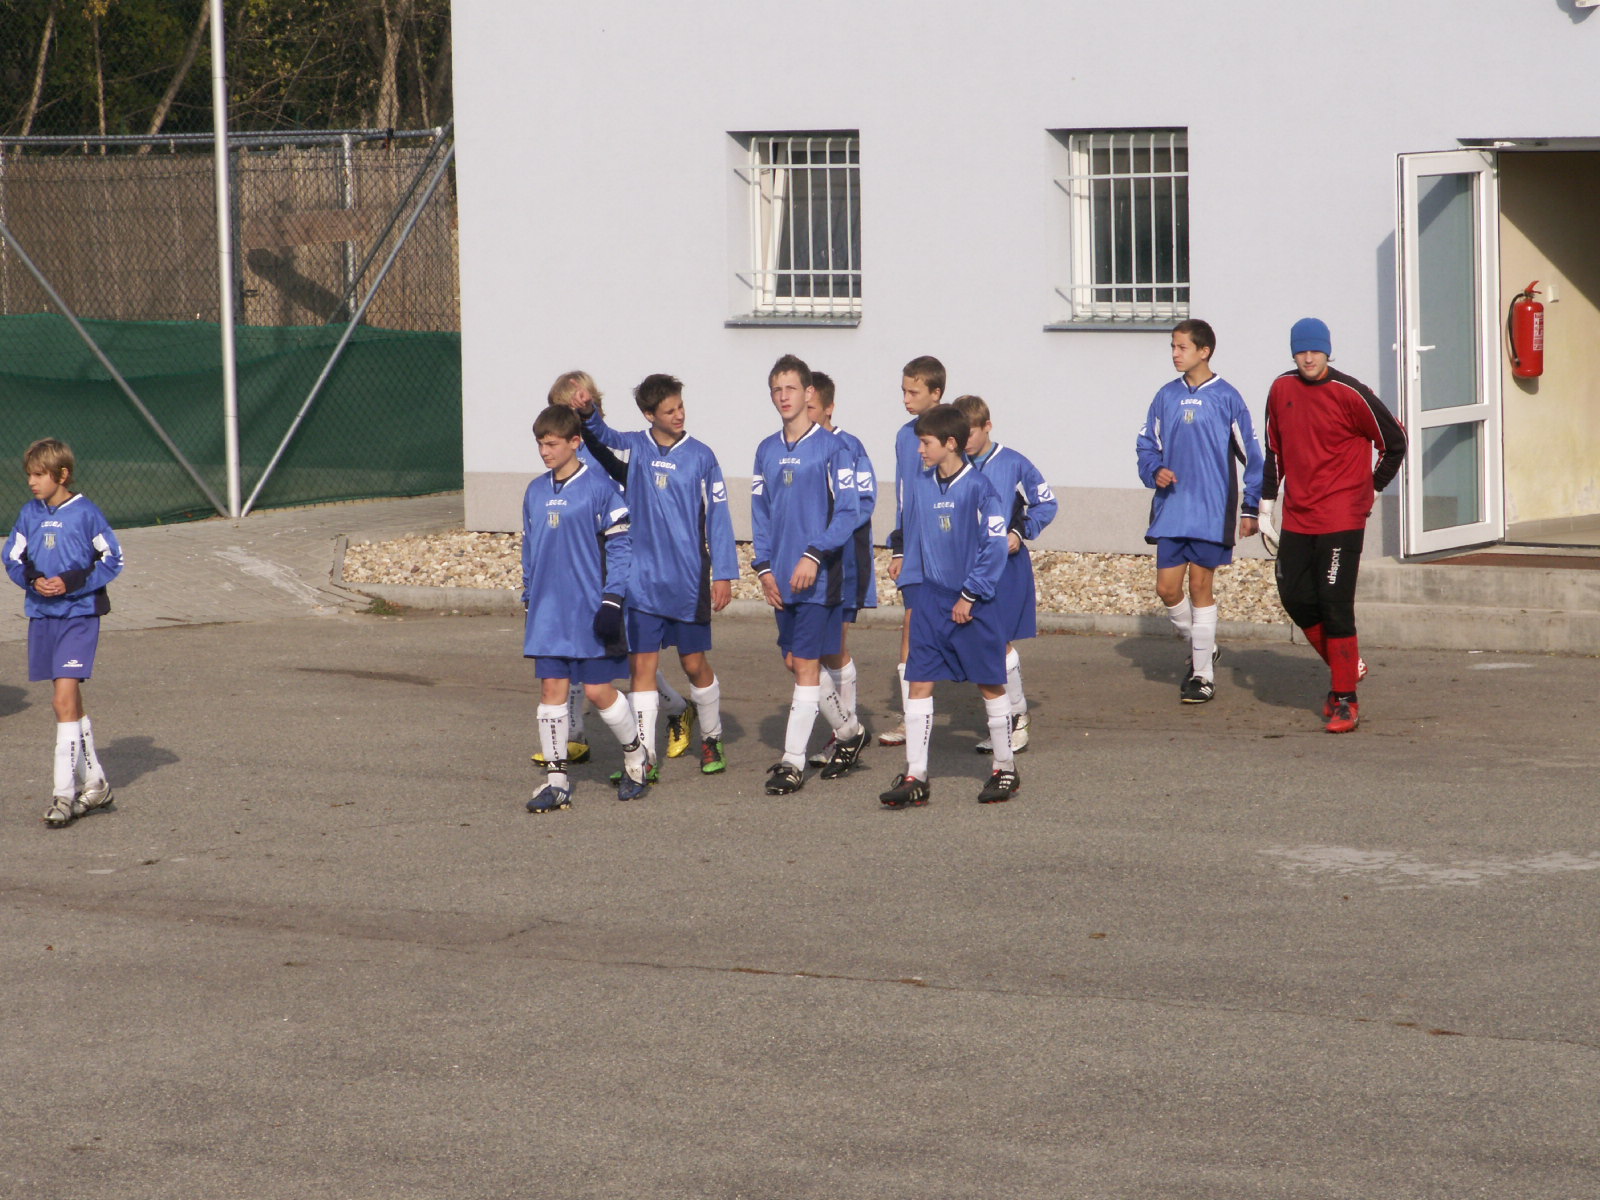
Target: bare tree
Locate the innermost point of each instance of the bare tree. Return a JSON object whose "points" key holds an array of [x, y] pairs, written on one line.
{"points": [[38, 70], [395, 14], [190, 53]]}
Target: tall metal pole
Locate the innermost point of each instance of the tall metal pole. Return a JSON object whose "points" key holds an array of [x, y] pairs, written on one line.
{"points": [[230, 381]]}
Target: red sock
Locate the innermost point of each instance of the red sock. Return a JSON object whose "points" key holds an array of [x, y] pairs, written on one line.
{"points": [[1318, 640], [1344, 657]]}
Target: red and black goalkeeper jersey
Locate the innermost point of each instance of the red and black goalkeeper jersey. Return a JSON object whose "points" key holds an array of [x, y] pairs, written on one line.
{"points": [[1320, 439]]}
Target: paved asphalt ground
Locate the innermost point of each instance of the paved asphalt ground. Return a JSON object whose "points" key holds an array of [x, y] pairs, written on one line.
{"points": [[318, 949]]}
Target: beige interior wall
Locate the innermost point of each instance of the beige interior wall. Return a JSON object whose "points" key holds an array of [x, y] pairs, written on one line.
{"points": [[1550, 231]]}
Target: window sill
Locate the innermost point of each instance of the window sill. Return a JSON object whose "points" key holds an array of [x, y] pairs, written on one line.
{"points": [[797, 320], [1162, 326]]}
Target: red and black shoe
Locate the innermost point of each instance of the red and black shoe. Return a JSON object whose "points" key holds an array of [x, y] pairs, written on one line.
{"points": [[1345, 714]]}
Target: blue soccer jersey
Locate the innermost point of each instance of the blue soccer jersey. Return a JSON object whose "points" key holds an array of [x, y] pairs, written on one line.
{"points": [[73, 541], [1199, 433], [861, 574], [956, 532], [907, 466], [1032, 506], [682, 531], [803, 502], [575, 551]]}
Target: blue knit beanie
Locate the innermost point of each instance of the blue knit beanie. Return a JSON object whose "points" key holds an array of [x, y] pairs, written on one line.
{"points": [[1310, 334]]}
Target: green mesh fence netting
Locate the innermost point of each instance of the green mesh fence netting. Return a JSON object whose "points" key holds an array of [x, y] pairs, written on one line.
{"points": [[386, 423]]}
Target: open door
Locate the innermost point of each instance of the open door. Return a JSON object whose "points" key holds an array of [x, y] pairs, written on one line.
{"points": [[1448, 266]]}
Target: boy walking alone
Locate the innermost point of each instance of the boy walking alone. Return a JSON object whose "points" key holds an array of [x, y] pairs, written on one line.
{"points": [[62, 553]]}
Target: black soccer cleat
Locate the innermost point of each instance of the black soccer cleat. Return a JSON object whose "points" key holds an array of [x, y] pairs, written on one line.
{"points": [[1002, 785], [783, 779], [846, 755], [906, 792], [1197, 690]]}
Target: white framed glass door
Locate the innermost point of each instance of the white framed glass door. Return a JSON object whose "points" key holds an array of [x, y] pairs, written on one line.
{"points": [[1448, 266]]}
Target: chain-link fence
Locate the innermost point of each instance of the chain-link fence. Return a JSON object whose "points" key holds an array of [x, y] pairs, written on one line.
{"points": [[346, 308]]}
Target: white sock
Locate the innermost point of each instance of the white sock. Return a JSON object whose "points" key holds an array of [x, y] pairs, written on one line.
{"points": [[619, 719], [1203, 640], [672, 701], [577, 701], [89, 764], [840, 719], [847, 686], [802, 716], [998, 711], [905, 692], [646, 706], [919, 732], [553, 742], [1182, 617], [1014, 697], [69, 740], [708, 700]]}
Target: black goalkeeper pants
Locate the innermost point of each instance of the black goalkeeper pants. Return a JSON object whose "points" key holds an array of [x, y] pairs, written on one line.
{"points": [[1316, 576]]}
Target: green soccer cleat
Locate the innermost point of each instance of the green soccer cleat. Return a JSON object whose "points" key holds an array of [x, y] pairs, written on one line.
{"points": [[712, 760]]}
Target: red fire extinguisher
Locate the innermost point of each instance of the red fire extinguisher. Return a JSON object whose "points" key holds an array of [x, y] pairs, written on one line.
{"points": [[1525, 330]]}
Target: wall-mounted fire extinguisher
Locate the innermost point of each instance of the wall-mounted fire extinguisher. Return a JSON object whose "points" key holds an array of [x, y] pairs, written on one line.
{"points": [[1525, 331]]}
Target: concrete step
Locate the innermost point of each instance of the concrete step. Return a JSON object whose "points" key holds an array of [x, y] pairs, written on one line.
{"points": [[1435, 585], [1421, 626]]}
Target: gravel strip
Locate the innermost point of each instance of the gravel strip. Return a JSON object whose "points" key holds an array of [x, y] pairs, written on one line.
{"points": [[1068, 582]]}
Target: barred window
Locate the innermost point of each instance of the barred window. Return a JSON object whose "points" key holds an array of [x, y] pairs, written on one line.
{"points": [[805, 225], [1127, 196]]}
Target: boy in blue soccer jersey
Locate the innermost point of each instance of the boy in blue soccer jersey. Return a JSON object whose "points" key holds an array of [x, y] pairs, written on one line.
{"points": [[922, 383], [576, 560], [1032, 507], [860, 567], [577, 389], [62, 553], [684, 557], [956, 531], [1197, 428], [803, 513]]}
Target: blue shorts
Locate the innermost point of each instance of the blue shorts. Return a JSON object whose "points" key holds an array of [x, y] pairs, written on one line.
{"points": [[1174, 552], [810, 630], [648, 633], [62, 647], [582, 670], [1016, 598], [941, 649], [908, 595]]}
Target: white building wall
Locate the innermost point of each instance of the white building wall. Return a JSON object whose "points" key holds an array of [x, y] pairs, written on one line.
{"points": [[601, 223]]}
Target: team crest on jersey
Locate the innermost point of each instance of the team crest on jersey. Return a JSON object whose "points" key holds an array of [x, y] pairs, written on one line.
{"points": [[553, 519], [944, 523], [661, 481], [49, 541], [1188, 416], [788, 477]]}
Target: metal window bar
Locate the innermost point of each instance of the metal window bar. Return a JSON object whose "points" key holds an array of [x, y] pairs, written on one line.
{"points": [[805, 225], [1128, 194]]}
